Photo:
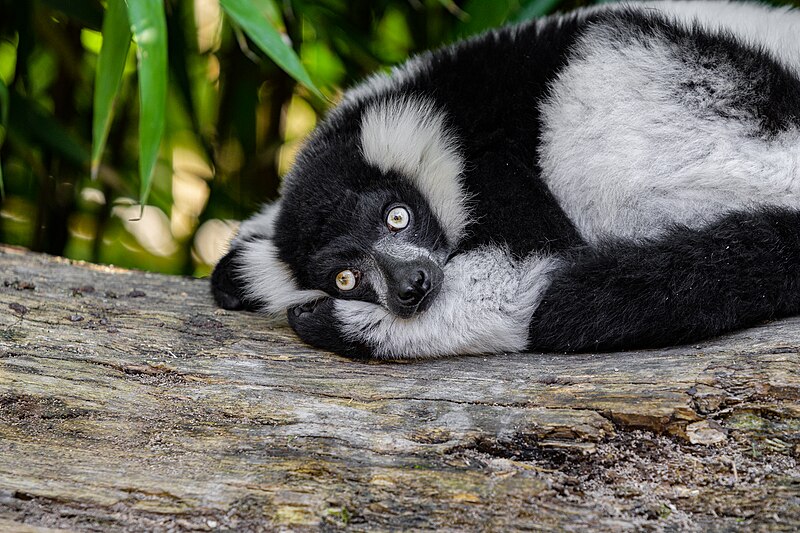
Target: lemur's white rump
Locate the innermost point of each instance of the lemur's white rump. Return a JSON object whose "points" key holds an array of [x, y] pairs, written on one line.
{"points": [[485, 306], [662, 154]]}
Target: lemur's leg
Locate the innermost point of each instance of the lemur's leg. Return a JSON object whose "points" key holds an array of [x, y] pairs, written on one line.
{"points": [[689, 285], [484, 306]]}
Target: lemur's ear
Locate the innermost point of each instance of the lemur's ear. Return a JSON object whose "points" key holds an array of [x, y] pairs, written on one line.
{"points": [[227, 288]]}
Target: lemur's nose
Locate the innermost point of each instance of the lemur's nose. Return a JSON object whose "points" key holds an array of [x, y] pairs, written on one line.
{"points": [[414, 289]]}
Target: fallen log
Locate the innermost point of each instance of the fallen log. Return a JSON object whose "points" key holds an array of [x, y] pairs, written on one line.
{"points": [[128, 401]]}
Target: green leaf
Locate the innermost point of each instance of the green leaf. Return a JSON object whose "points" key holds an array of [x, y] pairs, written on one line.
{"points": [[257, 26], [149, 26], [537, 8], [454, 10], [270, 9], [110, 66]]}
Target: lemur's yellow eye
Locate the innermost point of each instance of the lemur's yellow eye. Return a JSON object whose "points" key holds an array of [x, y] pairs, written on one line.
{"points": [[397, 219], [347, 280]]}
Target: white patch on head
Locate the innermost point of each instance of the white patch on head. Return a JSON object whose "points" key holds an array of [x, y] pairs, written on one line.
{"points": [[269, 280], [409, 136], [660, 154], [485, 306]]}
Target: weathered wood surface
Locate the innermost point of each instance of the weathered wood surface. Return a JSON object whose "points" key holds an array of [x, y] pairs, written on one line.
{"points": [[127, 401]]}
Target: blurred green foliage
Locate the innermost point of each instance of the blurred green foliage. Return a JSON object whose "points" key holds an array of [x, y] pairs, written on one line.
{"points": [[194, 107]]}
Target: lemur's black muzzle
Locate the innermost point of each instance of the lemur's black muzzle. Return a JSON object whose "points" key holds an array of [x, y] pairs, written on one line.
{"points": [[412, 285]]}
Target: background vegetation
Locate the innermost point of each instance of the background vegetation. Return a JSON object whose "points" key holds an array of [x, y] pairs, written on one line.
{"points": [[196, 112]]}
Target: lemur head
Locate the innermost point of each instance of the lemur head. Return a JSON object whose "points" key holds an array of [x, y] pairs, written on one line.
{"points": [[371, 211]]}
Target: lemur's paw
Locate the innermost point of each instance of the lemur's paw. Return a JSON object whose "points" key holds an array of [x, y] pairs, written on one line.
{"points": [[315, 323], [298, 311]]}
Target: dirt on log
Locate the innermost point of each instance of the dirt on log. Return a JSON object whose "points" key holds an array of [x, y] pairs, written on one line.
{"points": [[129, 402]]}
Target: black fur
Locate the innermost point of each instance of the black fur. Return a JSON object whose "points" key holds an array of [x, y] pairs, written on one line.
{"points": [[690, 285], [315, 324], [228, 291]]}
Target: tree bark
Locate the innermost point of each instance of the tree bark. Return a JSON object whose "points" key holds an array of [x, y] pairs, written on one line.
{"points": [[128, 401]]}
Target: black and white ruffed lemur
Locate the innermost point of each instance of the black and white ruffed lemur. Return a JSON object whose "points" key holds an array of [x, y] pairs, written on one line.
{"points": [[619, 177]]}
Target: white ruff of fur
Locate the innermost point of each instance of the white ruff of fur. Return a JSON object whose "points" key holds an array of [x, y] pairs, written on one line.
{"points": [[623, 98], [269, 280], [485, 306], [259, 225], [266, 278], [409, 136]]}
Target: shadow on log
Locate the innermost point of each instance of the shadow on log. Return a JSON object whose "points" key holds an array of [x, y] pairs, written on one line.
{"points": [[128, 401]]}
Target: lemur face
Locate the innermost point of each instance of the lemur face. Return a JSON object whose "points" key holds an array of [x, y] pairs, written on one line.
{"points": [[382, 245], [371, 211]]}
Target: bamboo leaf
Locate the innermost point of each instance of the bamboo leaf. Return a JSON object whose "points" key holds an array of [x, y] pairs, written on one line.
{"points": [[270, 9], [110, 66], [454, 10], [149, 27], [257, 26]]}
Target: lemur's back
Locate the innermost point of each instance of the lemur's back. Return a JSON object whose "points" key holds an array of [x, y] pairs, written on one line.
{"points": [[683, 125]]}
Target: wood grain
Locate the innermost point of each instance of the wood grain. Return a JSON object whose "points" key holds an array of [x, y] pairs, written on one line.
{"points": [[128, 401]]}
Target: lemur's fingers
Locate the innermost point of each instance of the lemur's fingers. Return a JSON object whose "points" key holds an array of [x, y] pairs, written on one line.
{"points": [[315, 323]]}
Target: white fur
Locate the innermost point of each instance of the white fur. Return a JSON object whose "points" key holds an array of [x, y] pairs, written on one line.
{"points": [[269, 280], [261, 224], [485, 306], [655, 158], [409, 136]]}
